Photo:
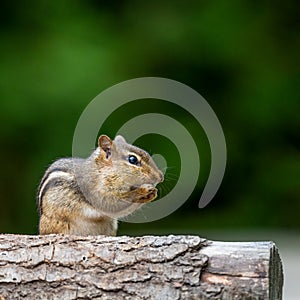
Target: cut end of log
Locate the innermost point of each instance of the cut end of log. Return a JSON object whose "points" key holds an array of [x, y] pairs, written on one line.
{"points": [[275, 274]]}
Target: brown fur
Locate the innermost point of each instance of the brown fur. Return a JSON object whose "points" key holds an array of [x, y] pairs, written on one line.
{"points": [[87, 196]]}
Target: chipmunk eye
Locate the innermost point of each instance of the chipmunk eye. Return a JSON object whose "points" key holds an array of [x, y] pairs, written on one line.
{"points": [[133, 160]]}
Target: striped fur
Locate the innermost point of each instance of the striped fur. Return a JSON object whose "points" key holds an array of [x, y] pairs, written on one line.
{"points": [[87, 196]]}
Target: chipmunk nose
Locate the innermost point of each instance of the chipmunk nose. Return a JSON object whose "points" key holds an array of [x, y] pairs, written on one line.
{"points": [[157, 177], [161, 176]]}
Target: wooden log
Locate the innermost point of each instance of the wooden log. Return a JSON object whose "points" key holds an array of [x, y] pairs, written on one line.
{"points": [[148, 267]]}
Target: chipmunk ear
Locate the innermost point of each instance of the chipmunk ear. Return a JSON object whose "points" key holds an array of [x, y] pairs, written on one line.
{"points": [[105, 143], [120, 138]]}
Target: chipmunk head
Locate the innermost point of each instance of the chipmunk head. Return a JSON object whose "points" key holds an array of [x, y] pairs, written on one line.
{"points": [[128, 163]]}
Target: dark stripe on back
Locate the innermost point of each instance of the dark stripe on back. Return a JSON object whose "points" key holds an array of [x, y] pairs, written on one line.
{"points": [[52, 183], [56, 182], [45, 177], [49, 172]]}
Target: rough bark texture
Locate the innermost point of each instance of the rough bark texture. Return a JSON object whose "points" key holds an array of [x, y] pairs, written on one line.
{"points": [[149, 267]]}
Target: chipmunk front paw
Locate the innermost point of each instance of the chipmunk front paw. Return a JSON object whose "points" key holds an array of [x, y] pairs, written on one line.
{"points": [[145, 193]]}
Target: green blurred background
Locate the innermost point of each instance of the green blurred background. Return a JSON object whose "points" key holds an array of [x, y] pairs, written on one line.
{"points": [[241, 56]]}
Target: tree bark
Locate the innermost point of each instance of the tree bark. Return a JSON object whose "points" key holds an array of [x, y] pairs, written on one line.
{"points": [[149, 267]]}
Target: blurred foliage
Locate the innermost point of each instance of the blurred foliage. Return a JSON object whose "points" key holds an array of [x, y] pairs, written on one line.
{"points": [[242, 56]]}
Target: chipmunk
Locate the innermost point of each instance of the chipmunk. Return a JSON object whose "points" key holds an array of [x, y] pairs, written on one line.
{"points": [[87, 196]]}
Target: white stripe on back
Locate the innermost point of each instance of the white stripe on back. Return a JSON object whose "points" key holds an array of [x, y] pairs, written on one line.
{"points": [[53, 175]]}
